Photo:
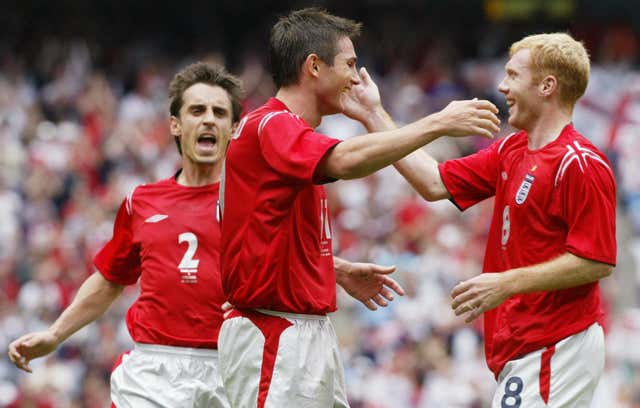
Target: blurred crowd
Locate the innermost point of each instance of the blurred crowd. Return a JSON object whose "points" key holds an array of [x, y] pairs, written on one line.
{"points": [[76, 138]]}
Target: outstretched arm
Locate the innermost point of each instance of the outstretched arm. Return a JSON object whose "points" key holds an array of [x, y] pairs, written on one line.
{"points": [[386, 144], [421, 171], [488, 290], [366, 282], [93, 298]]}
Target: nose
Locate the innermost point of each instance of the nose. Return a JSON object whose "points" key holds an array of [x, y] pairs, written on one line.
{"points": [[209, 117], [502, 86], [355, 77]]}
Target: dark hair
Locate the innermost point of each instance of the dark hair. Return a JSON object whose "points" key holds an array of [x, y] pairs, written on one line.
{"points": [[303, 32], [211, 74]]}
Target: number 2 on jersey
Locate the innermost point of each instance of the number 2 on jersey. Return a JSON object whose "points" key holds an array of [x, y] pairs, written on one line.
{"points": [[188, 263]]}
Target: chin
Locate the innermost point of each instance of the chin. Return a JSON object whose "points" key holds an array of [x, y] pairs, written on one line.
{"points": [[515, 123]]}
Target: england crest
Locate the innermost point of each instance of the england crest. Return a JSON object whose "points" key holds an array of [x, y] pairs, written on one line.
{"points": [[524, 189]]}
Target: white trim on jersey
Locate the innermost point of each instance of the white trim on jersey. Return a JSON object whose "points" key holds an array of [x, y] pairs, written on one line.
{"points": [[576, 155], [267, 118], [588, 153], [505, 141], [129, 201]]}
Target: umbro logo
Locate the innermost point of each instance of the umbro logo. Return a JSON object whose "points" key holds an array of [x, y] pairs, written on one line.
{"points": [[156, 218]]}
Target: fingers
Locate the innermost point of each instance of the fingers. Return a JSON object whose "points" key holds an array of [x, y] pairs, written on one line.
{"points": [[364, 76], [383, 270], [370, 304], [387, 294], [393, 285], [473, 315], [380, 300], [460, 288], [227, 306], [463, 297], [17, 358], [485, 104]]}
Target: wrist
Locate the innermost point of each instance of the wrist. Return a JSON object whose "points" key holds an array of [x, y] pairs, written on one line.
{"points": [[55, 335], [435, 127], [341, 268], [378, 120], [513, 278]]}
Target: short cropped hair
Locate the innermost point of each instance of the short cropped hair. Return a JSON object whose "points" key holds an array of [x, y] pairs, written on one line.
{"points": [[560, 55], [304, 32], [212, 74]]}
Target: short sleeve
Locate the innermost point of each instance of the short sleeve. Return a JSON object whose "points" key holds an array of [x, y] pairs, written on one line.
{"points": [[291, 147], [473, 178], [586, 201], [119, 260]]}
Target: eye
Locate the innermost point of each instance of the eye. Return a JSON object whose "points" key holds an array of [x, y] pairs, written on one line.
{"points": [[221, 112]]}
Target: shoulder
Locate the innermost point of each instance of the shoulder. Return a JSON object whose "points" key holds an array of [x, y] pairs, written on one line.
{"points": [[147, 192], [511, 142], [579, 156], [280, 119]]}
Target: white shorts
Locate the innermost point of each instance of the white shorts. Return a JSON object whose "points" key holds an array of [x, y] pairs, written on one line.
{"points": [[560, 376], [163, 376], [277, 360]]}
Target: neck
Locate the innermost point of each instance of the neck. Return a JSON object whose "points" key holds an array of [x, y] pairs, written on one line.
{"points": [[302, 103], [198, 175], [547, 126]]}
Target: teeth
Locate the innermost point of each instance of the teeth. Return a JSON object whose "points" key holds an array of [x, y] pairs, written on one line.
{"points": [[207, 138]]}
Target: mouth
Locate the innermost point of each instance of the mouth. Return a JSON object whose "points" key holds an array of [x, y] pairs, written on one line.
{"points": [[207, 141]]}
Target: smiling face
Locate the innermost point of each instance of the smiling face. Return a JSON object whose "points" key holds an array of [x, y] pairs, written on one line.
{"points": [[520, 88], [204, 124], [337, 79]]}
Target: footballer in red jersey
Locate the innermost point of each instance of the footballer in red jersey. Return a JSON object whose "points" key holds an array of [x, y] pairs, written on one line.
{"points": [[279, 349], [167, 236], [552, 234]]}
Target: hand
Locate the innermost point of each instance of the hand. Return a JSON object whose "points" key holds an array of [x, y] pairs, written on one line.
{"points": [[363, 100], [369, 283], [30, 346], [479, 294], [467, 118], [227, 308]]}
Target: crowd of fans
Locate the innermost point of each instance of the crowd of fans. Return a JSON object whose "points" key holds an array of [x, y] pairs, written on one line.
{"points": [[75, 140]]}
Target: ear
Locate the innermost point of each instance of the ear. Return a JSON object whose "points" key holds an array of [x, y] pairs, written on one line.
{"points": [[548, 86], [175, 127], [311, 65]]}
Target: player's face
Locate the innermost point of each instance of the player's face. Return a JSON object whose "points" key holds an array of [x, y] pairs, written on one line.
{"points": [[337, 80], [205, 123], [519, 88]]}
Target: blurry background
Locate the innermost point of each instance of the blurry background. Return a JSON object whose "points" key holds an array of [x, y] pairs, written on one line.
{"points": [[84, 118]]}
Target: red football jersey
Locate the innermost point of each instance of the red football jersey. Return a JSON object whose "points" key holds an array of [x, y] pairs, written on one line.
{"points": [[168, 235], [276, 232], [557, 199]]}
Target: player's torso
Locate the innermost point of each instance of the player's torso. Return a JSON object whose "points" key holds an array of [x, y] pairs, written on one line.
{"points": [[178, 235], [525, 229], [280, 230]]}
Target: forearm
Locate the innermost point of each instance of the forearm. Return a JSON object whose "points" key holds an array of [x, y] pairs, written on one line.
{"points": [[93, 298], [418, 168], [564, 272], [341, 268], [421, 171], [363, 155]]}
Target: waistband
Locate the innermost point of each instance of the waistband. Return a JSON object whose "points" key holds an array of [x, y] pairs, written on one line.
{"points": [[181, 351], [292, 315]]}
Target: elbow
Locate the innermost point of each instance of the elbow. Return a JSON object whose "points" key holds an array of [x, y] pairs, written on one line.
{"points": [[344, 167], [431, 191], [429, 195], [605, 271]]}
